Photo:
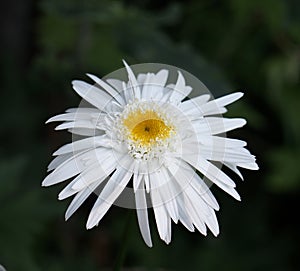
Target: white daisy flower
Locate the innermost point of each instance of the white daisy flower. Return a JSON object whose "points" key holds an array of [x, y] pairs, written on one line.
{"points": [[149, 133]]}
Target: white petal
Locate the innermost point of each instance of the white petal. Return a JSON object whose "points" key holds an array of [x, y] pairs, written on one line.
{"points": [[85, 131], [160, 212], [160, 78], [128, 92], [86, 143], [203, 190], [193, 103], [252, 165], [221, 154], [228, 99], [133, 82], [141, 77], [137, 177], [71, 167], [217, 141], [201, 212], [68, 191], [212, 223], [83, 110], [109, 194], [168, 194], [215, 125], [115, 94], [92, 94], [213, 173], [58, 161], [86, 124], [146, 90], [117, 84], [234, 168], [154, 84], [142, 214], [161, 216], [216, 106], [184, 217], [79, 199], [194, 214], [187, 178], [98, 172], [78, 114], [181, 90]]}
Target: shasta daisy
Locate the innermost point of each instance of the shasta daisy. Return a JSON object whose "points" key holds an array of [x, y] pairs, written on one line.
{"points": [[149, 132]]}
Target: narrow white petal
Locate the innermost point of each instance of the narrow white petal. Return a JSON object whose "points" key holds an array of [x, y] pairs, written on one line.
{"points": [[252, 165], [79, 199], [210, 108], [151, 88], [185, 179], [218, 141], [117, 84], [181, 90], [58, 161], [114, 93], [234, 168], [137, 177], [216, 106], [216, 125], [168, 194], [202, 213], [154, 84], [228, 99], [203, 190], [184, 217], [193, 103], [161, 78], [71, 167], [72, 116], [186, 176], [97, 173], [213, 173], [141, 77], [87, 124], [221, 154], [86, 143], [194, 214], [208, 169], [83, 110], [128, 92], [92, 94], [147, 87], [109, 194], [212, 223], [160, 213], [169, 231], [68, 191], [133, 82], [147, 182], [85, 131], [142, 214]]}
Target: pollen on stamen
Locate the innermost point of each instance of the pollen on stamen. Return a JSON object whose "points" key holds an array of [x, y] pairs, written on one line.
{"points": [[146, 129]]}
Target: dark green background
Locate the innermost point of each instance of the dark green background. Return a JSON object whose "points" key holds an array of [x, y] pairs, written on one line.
{"points": [[231, 45]]}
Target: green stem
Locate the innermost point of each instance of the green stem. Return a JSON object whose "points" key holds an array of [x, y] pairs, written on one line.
{"points": [[125, 237]]}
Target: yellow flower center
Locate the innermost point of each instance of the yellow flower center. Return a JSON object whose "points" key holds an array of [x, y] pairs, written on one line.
{"points": [[146, 127]]}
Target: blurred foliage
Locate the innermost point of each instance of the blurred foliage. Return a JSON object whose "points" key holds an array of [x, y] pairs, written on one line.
{"points": [[229, 45]]}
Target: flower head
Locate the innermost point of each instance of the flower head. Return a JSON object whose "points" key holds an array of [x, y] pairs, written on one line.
{"points": [[150, 133]]}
